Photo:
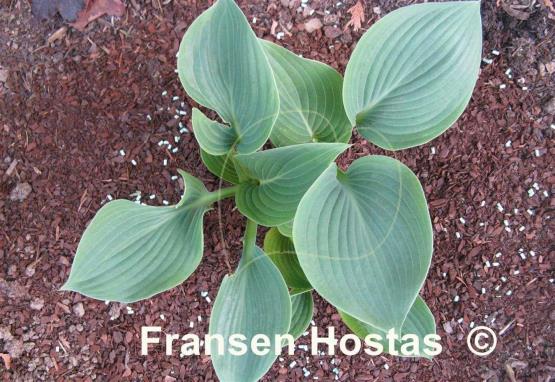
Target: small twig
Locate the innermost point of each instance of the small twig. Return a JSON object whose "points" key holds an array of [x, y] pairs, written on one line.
{"points": [[510, 372], [504, 330], [531, 281], [226, 260], [62, 346]]}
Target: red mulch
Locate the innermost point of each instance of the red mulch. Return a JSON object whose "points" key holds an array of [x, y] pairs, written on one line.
{"points": [[67, 108]]}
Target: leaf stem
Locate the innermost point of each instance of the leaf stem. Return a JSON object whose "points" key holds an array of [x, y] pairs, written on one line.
{"points": [[211, 197], [249, 240], [223, 193], [217, 195]]}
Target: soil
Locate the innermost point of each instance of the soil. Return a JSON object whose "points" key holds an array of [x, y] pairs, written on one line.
{"points": [[70, 101]]}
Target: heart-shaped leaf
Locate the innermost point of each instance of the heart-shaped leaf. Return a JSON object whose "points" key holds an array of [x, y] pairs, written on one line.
{"points": [[220, 165], [222, 66], [412, 73], [281, 251], [252, 301], [302, 307], [419, 323], [130, 252], [311, 104], [364, 239], [278, 179]]}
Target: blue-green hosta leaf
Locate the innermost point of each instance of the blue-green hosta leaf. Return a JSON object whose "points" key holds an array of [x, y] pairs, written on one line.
{"points": [[364, 239], [302, 307], [286, 229], [420, 323], [253, 300], [281, 251], [213, 137], [130, 252], [412, 74], [311, 105], [220, 165], [279, 178], [222, 66]]}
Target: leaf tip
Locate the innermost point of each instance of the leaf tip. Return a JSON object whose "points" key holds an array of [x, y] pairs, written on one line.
{"points": [[196, 112], [340, 174], [345, 146], [67, 287], [182, 173], [340, 147]]}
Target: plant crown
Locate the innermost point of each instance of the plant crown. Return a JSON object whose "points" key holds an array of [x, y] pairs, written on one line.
{"points": [[361, 238]]}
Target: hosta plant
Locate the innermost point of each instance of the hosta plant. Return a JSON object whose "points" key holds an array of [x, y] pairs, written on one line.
{"points": [[361, 238]]}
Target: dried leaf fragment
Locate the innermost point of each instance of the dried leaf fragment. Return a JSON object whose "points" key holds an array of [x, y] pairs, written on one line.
{"points": [[357, 16], [7, 360], [313, 25], [58, 35], [97, 8], [550, 8]]}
